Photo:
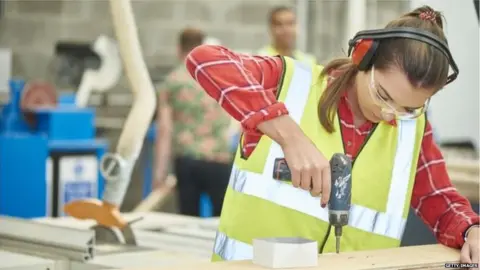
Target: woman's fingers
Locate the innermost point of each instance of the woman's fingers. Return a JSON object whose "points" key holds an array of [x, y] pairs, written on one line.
{"points": [[326, 185], [296, 175], [306, 183], [465, 254], [317, 184]]}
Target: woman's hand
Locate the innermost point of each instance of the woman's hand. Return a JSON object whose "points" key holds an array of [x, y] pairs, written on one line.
{"points": [[309, 167], [470, 252]]}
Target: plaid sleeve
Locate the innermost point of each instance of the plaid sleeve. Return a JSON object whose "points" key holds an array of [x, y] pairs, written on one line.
{"points": [[436, 201]]}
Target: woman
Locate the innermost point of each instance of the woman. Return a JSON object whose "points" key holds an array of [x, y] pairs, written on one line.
{"points": [[377, 110]]}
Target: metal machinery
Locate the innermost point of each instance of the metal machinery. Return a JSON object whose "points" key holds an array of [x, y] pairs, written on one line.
{"points": [[68, 244], [49, 153]]}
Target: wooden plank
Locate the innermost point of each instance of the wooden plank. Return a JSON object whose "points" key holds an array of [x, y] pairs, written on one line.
{"points": [[158, 196], [466, 184], [157, 259], [405, 258], [463, 165]]}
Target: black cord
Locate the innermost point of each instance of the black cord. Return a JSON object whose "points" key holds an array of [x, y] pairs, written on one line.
{"points": [[325, 238]]}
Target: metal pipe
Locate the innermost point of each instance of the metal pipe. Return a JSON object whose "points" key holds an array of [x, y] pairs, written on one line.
{"points": [[302, 18], [32, 238], [117, 167], [103, 78], [41, 250], [356, 18], [144, 102]]}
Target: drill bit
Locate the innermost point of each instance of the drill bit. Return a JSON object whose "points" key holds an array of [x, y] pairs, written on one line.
{"points": [[338, 234], [337, 246]]}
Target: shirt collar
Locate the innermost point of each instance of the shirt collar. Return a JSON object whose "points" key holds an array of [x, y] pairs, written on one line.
{"points": [[332, 75]]}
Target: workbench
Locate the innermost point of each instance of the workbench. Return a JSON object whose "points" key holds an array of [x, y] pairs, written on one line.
{"points": [[432, 257], [14, 261], [160, 231]]}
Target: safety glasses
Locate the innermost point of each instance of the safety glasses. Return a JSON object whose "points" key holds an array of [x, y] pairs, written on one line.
{"points": [[389, 107]]}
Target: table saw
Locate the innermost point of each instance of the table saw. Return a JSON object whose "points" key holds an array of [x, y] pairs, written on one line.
{"points": [[68, 244]]}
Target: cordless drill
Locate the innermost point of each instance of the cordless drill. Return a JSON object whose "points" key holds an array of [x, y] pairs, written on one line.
{"points": [[340, 194]]}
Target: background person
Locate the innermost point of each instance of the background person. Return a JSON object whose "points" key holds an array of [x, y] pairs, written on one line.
{"points": [[283, 34], [193, 131]]}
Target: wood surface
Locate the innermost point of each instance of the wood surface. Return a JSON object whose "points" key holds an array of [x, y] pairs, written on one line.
{"points": [[464, 164], [405, 258], [158, 196], [464, 174], [467, 185]]}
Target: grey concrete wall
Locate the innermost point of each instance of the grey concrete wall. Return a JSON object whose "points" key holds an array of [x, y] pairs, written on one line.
{"points": [[31, 27]]}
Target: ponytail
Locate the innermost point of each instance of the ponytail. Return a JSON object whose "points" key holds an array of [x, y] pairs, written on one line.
{"points": [[328, 104]]}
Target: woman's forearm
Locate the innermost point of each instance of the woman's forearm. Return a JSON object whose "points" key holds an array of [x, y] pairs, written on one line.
{"points": [[244, 86]]}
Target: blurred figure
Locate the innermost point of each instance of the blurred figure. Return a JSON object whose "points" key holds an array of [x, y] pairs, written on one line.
{"points": [[194, 133], [283, 34]]}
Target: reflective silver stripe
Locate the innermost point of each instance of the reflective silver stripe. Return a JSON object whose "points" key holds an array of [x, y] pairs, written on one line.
{"points": [[286, 195], [278, 192], [402, 166], [370, 220], [230, 249]]}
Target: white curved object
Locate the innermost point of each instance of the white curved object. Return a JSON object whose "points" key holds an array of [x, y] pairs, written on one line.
{"points": [[109, 72], [144, 101], [106, 76], [212, 41]]}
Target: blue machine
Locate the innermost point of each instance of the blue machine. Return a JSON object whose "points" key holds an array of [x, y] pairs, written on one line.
{"points": [[54, 162], [148, 160]]}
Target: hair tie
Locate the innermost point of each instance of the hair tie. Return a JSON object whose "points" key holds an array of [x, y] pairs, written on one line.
{"points": [[428, 16]]}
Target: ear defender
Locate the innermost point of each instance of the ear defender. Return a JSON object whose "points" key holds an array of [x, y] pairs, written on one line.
{"points": [[362, 48], [363, 53]]}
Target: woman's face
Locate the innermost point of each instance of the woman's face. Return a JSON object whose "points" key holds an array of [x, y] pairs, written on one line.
{"points": [[387, 95]]}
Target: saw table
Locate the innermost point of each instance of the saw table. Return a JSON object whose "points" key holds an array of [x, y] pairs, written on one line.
{"points": [[159, 231], [68, 244]]}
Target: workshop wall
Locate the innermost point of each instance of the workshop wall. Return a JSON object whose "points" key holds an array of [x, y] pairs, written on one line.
{"points": [[31, 27]]}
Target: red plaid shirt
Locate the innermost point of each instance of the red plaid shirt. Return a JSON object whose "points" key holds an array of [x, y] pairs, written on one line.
{"points": [[245, 86]]}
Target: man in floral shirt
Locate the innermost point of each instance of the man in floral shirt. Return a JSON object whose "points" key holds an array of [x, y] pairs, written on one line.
{"points": [[193, 131]]}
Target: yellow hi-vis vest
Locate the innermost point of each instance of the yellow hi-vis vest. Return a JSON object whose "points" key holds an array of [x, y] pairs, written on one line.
{"points": [[298, 55], [257, 206]]}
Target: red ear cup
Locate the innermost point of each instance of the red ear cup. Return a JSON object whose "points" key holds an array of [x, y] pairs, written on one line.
{"points": [[362, 47]]}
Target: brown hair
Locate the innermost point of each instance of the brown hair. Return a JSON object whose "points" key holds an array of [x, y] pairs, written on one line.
{"points": [[190, 38], [278, 9], [424, 65]]}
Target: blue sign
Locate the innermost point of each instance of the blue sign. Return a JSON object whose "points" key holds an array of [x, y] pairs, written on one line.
{"points": [[78, 179], [77, 190]]}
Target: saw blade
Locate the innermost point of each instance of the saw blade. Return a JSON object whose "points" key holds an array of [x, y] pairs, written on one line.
{"points": [[106, 235], [37, 95]]}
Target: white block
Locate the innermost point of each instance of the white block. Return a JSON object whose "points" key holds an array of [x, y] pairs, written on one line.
{"points": [[285, 252]]}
